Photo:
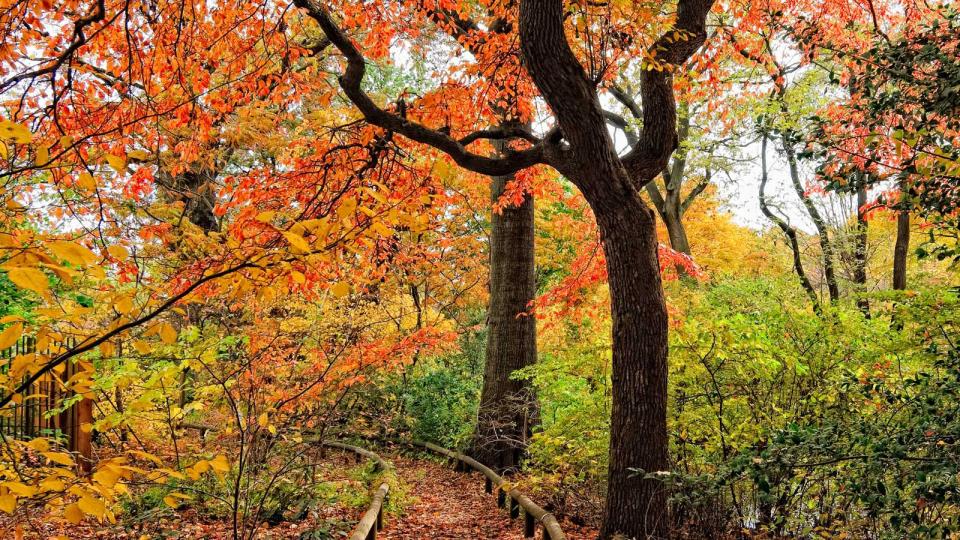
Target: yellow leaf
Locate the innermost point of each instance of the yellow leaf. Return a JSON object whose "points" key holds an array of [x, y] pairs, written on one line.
{"points": [[263, 420], [123, 305], [59, 457], [43, 156], [20, 489], [52, 484], [108, 350], [347, 208], [220, 464], [272, 429], [96, 272], [173, 499], [73, 253], [266, 217], [29, 278], [8, 503], [146, 455], [118, 252], [86, 181], [73, 514], [340, 289], [117, 163], [382, 229], [141, 346], [17, 133], [10, 335], [297, 277], [106, 477], [168, 334], [296, 241], [92, 506], [39, 444]]}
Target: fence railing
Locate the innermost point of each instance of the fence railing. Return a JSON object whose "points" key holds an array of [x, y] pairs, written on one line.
{"points": [[39, 412], [372, 520]]}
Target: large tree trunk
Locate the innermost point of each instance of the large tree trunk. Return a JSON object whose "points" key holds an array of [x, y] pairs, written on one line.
{"points": [[636, 506], [677, 233], [507, 407], [582, 150]]}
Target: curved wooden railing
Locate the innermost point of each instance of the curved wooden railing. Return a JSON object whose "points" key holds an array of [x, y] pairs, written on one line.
{"points": [[372, 520], [507, 496]]}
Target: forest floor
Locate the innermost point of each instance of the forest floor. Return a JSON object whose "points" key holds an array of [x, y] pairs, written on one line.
{"points": [[444, 505], [435, 502]]}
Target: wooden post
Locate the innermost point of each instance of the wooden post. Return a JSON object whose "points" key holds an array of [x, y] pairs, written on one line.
{"points": [[488, 485], [501, 497], [529, 525], [514, 508]]}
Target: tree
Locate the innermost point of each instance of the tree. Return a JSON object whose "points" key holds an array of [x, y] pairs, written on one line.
{"points": [[507, 409], [581, 149], [898, 123]]}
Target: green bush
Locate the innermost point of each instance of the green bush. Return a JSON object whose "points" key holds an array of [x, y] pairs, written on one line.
{"points": [[440, 396]]}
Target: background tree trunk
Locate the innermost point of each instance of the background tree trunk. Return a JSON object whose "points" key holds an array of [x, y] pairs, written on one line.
{"points": [[823, 233], [860, 250], [507, 407], [901, 250], [902, 246], [789, 231]]}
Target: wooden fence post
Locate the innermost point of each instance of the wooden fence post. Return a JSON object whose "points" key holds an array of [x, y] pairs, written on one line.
{"points": [[529, 525]]}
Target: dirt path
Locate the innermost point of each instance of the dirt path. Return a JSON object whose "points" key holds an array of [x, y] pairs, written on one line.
{"points": [[447, 505]]}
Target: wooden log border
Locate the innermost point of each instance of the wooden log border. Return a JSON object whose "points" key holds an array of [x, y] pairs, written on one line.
{"points": [[372, 520], [508, 497]]}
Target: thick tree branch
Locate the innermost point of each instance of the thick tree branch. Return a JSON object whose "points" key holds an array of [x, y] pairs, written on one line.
{"points": [[659, 137], [500, 133], [627, 101], [351, 81], [696, 191]]}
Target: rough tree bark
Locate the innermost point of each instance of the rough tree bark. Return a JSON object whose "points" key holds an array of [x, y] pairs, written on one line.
{"points": [[902, 247], [581, 149], [667, 200], [507, 411]]}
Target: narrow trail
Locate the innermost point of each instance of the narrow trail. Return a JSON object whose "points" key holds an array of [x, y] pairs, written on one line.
{"points": [[447, 505]]}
